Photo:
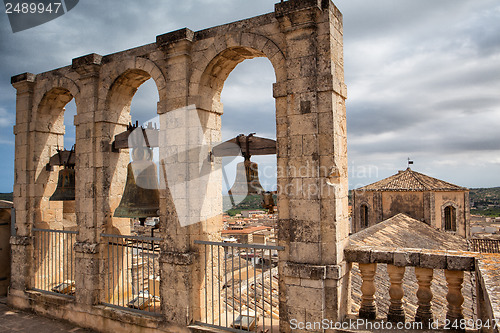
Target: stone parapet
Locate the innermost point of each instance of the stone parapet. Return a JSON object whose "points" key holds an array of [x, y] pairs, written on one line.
{"points": [[488, 293], [434, 259], [24, 77]]}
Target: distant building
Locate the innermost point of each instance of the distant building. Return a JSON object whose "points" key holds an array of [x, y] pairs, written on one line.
{"points": [[257, 234], [251, 213], [438, 203]]}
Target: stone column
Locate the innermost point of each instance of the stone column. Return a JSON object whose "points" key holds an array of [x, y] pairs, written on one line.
{"points": [[187, 131], [22, 242], [424, 295], [368, 308], [312, 164], [86, 248], [396, 311], [454, 296]]}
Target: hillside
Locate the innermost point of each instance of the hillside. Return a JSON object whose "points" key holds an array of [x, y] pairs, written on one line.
{"points": [[251, 202], [485, 201]]}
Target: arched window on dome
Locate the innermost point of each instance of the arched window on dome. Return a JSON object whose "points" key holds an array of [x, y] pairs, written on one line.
{"points": [[363, 213], [450, 218]]}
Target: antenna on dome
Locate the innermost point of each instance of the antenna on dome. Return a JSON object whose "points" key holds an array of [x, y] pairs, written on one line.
{"points": [[409, 162]]}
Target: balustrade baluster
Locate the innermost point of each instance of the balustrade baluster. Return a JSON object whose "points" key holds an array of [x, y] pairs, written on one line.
{"points": [[424, 295], [396, 312], [454, 297], [368, 309]]}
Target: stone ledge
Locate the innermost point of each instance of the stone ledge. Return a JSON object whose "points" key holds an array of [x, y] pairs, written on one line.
{"points": [[312, 272], [291, 6], [89, 59], [97, 317], [204, 329], [451, 260], [175, 36], [488, 273], [88, 64], [28, 77], [37, 296]]}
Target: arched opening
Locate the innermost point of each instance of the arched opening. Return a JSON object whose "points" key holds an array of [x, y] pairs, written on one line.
{"points": [[249, 107], [363, 216], [69, 140], [54, 132], [450, 218], [131, 274], [132, 99]]}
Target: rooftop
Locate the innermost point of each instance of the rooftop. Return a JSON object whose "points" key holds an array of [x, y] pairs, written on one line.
{"points": [[409, 180], [249, 230], [402, 231], [404, 234]]}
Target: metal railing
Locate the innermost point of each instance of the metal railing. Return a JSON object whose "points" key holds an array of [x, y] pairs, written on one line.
{"points": [[132, 272], [241, 287], [54, 261], [485, 245]]}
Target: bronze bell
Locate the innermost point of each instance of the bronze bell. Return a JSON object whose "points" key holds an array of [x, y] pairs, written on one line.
{"points": [[65, 190], [247, 179], [141, 197]]}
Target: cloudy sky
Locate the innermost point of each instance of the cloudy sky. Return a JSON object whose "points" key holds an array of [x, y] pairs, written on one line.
{"points": [[423, 78]]}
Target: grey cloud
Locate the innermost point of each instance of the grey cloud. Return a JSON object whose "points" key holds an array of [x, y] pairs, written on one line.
{"points": [[423, 76]]}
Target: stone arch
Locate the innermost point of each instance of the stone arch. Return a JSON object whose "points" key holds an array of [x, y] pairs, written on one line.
{"points": [[113, 74], [47, 137], [230, 50], [57, 82], [121, 81]]}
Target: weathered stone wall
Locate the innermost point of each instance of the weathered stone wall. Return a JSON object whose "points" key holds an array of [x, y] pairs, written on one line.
{"points": [[409, 203]]}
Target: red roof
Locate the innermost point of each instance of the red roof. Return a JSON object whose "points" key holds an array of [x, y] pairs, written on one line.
{"points": [[249, 230]]}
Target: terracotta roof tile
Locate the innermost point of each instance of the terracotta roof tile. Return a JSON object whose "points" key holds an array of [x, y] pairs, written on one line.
{"points": [[249, 230], [401, 231], [409, 180]]}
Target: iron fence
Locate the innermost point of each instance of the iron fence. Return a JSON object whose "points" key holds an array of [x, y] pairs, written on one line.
{"points": [[132, 272], [241, 287], [54, 261]]}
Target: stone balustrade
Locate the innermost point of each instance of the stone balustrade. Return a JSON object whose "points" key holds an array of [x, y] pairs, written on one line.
{"points": [[454, 263]]}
